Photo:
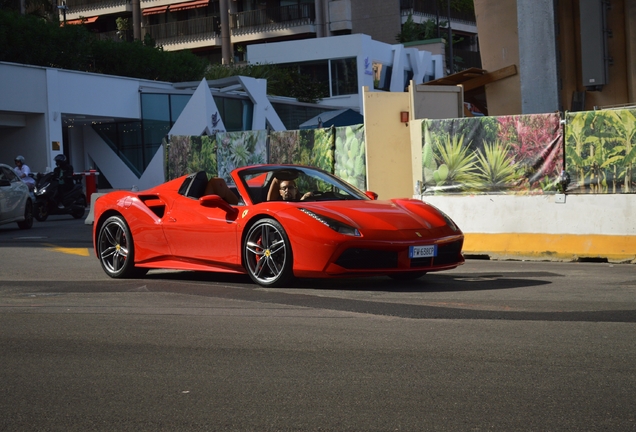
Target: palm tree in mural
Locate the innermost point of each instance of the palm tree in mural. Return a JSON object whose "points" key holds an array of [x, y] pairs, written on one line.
{"points": [[455, 171], [496, 168], [624, 122], [578, 131]]}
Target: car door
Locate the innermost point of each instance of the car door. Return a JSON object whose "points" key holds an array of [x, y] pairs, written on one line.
{"points": [[200, 233], [11, 195]]}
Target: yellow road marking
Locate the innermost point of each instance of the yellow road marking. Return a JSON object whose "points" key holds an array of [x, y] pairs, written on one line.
{"points": [[70, 251]]}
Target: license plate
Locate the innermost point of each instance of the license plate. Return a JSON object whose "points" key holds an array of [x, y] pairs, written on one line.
{"points": [[422, 251]]}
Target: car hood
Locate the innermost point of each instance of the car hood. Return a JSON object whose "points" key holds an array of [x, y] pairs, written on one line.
{"points": [[398, 214]]}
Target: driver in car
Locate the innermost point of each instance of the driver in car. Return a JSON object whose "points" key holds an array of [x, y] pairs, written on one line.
{"points": [[289, 191]]}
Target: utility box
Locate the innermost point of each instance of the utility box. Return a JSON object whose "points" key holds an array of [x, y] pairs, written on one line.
{"points": [[436, 102], [594, 56]]}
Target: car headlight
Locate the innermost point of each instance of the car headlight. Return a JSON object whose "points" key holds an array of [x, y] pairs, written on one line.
{"points": [[333, 224]]}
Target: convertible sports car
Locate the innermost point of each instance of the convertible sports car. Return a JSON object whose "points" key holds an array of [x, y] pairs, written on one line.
{"points": [[329, 229]]}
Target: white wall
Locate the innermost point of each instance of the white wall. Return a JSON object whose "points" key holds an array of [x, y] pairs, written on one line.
{"points": [[363, 48], [33, 100]]}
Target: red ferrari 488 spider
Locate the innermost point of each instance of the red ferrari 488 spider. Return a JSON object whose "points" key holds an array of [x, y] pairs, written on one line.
{"points": [[273, 222]]}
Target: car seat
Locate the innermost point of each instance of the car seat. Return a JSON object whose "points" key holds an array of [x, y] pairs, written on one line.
{"points": [[218, 186]]}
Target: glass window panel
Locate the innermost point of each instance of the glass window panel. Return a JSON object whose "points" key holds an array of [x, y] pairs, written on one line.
{"points": [[130, 145], [155, 107], [233, 115], [177, 104], [344, 77]]}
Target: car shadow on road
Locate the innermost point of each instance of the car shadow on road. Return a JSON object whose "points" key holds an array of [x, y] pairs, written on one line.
{"points": [[439, 282]]}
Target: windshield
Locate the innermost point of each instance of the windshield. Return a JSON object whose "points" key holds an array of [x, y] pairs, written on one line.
{"points": [[274, 183]]}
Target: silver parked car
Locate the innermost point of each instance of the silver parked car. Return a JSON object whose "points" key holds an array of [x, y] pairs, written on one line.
{"points": [[16, 204]]}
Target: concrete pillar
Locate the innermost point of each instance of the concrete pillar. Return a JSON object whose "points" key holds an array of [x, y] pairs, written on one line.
{"points": [[136, 18], [319, 20], [538, 57], [630, 38]]}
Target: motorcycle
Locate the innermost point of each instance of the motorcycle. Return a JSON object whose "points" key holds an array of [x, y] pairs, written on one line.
{"points": [[47, 201]]}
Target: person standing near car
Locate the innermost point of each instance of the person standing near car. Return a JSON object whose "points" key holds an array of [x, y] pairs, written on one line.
{"points": [[23, 171], [63, 173]]}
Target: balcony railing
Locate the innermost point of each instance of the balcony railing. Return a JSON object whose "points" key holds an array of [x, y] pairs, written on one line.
{"points": [[272, 18], [117, 35], [80, 5], [193, 29], [432, 9]]}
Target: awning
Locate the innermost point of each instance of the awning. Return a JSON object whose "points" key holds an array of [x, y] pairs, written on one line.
{"points": [[189, 5], [154, 10], [82, 20]]}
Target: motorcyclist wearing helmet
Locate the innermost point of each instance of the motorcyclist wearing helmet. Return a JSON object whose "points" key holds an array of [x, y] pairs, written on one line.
{"points": [[63, 172], [23, 171]]}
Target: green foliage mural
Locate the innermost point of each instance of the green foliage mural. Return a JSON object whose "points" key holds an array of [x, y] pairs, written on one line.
{"points": [[600, 149], [189, 154], [350, 161], [311, 147], [237, 149], [283, 146], [511, 154]]}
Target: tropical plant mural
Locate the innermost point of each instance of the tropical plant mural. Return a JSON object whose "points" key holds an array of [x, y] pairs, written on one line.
{"points": [[600, 148], [311, 147], [512, 154], [237, 149], [188, 154], [283, 146], [350, 155]]}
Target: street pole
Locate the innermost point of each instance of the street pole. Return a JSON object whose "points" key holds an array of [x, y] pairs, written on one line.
{"points": [[450, 40], [226, 46]]}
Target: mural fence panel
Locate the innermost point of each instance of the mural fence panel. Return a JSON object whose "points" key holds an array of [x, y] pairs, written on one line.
{"points": [[600, 148], [311, 147], [350, 155], [485, 155], [237, 149], [188, 154]]}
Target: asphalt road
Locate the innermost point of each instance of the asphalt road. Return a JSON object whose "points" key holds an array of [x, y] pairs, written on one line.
{"points": [[492, 345]]}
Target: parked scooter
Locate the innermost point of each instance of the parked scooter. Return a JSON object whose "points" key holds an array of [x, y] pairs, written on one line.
{"points": [[47, 201]]}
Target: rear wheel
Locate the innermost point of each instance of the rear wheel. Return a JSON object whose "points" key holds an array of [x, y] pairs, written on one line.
{"points": [[267, 254], [116, 249], [28, 216], [78, 212]]}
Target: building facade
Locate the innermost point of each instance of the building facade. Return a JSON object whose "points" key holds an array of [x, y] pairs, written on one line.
{"points": [[117, 125], [197, 25], [571, 55]]}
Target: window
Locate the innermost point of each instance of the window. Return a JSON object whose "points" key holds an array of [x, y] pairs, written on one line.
{"points": [[344, 77], [382, 76]]}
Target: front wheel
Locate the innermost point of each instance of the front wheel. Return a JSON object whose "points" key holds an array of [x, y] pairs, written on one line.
{"points": [[267, 254], [41, 211], [116, 250], [28, 216]]}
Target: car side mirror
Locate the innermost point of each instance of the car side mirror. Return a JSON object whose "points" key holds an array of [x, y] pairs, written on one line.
{"points": [[372, 195], [218, 202], [5, 182]]}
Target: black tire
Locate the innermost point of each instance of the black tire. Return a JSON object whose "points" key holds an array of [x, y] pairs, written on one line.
{"points": [[407, 276], [41, 211], [78, 213], [28, 216], [116, 250], [267, 254]]}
